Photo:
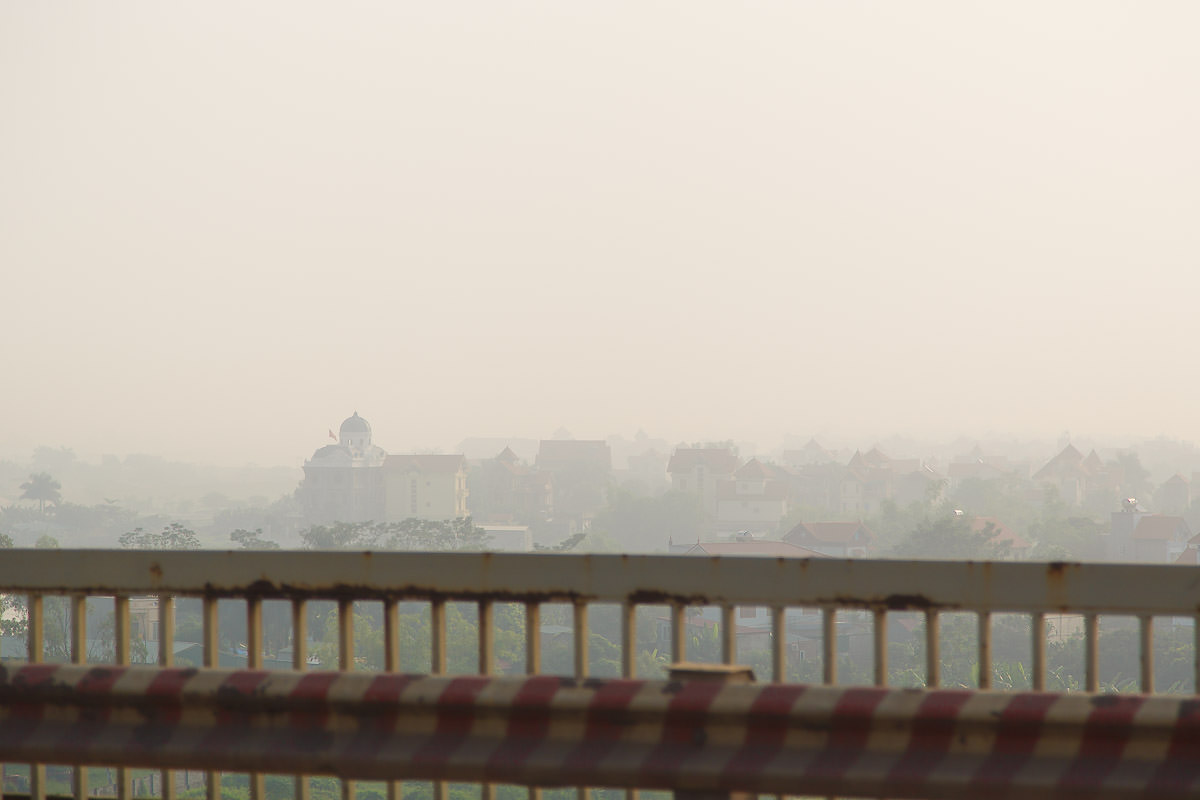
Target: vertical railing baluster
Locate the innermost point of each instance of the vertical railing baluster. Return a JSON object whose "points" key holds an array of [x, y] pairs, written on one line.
{"points": [[728, 634], [212, 658], [1038, 632], [391, 663], [1091, 644], [879, 629], [678, 636], [36, 648], [346, 664], [629, 654], [437, 657], [166, 630], [628, 662], [121, 631], [79, 777], [166, 658], [391, 635], [533, 657], [346, 634], [1146, 625], [79, 653], [254, 660], [210, 632], [582, 634], [1195, 655], [299, 635], [301, 785], [487, 663], [933, 649], [254, 633], [779, 646], [829, 645], [628, 640], [533, 638], [580, 637], [487, 637], [437, 632], [122, 635], [36, 631], [984, 621]]}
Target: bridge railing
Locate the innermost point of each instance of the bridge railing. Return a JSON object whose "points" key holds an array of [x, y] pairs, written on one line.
{"points": [[776, 590]]}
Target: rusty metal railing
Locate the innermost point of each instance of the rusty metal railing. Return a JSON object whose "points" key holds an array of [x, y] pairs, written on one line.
{"points": [[779, 588]]}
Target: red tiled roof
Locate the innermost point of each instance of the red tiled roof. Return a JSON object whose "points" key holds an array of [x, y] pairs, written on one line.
{"points": [[1069, 457], [754, 548], [752, 470], [830, 532]]}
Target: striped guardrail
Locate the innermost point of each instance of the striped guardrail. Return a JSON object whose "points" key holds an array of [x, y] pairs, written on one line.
{"points": [[703, 736]]}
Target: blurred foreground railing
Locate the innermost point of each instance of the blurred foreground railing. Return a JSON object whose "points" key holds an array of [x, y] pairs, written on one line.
{"points": [[734, 592], [694, 736]]}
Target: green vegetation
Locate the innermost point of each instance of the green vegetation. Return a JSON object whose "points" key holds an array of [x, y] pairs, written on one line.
{"points": [[42, 489]]}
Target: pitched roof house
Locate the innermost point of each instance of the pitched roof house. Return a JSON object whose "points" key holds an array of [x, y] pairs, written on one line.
{"points": [[837, 539]]}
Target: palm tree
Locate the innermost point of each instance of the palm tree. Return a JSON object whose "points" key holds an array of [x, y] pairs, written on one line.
{"points": [[42, 488]]}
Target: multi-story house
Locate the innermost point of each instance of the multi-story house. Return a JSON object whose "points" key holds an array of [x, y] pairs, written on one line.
{"points": [[700, 471], [425, 486]]}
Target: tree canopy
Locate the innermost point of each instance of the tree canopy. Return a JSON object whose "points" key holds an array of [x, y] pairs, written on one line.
{"points": [[42, 489], [642, 524], [172, 537], [252, 540], [952, 536], [409, 534]]}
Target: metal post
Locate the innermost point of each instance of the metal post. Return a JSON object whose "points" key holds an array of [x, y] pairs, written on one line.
{"points": [[166, 657], [933, 650], [1038, 632], [985, 650], [779, 644], [79, 775], [302, 787], [829, 644], [122, 634], [1091, 624], [710, 673], [879, 629]]}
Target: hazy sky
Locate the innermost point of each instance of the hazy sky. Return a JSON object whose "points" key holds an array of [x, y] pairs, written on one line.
{"points": [[226, 226]]}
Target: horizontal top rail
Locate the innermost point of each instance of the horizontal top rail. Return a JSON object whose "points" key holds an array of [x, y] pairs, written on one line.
{"points": [[693, 580]]}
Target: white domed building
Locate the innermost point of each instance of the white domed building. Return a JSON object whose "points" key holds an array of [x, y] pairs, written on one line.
{"points": [[343, 482]]}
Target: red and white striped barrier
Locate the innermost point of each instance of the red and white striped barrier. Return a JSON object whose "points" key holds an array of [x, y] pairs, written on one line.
{"points": [[546, 731]]}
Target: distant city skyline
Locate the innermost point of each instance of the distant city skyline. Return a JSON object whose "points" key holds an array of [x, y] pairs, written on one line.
{"points": [[224, 228], [896, 444]]}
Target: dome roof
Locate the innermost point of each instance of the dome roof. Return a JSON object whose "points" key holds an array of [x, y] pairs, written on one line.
{"points": [[355, 424]]}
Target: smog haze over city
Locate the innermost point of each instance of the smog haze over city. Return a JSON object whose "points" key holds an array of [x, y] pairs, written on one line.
{"points": [[225, 227]]}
